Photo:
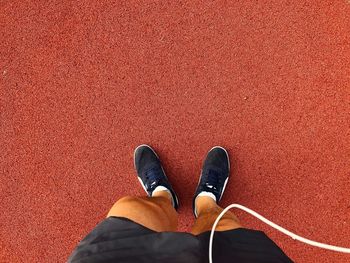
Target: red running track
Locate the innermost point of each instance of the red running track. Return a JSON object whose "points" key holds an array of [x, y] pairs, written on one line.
{"points": [[84, 82]]}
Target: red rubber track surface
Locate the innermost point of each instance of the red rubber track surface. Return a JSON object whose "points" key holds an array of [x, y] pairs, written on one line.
{"points": [[84, 82]]}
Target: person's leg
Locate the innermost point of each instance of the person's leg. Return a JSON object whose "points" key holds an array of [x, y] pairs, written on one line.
{"points": [[211, 186], [207, 212], [156, 212]]}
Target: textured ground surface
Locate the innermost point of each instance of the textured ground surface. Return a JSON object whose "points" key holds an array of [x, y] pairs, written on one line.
{"points": [[84, 82]]}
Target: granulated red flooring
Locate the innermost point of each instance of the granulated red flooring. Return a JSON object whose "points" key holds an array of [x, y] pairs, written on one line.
{"points": [[84, 82]]}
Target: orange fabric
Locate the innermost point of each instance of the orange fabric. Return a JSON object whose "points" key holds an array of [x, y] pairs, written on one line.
{"points": [[158, 214], [155, 213]]}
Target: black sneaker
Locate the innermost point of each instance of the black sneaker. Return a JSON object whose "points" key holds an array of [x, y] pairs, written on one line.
{"points": [[150, 171], [214, 174]]}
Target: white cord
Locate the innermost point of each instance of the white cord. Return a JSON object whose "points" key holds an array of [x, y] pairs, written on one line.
{"points": [[275, 226]]}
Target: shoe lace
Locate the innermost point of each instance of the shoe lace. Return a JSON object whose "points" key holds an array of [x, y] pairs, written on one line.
{"points": [[213, 179], [153, 176]]}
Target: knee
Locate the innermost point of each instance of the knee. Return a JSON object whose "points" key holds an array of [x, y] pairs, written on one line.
{"points": [[125, 206], [127, 199], [130, 201]]}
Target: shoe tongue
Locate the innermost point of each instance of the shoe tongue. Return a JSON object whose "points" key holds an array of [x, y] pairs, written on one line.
{"points": [[213, 179], [210, 186], [153, 176]]}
